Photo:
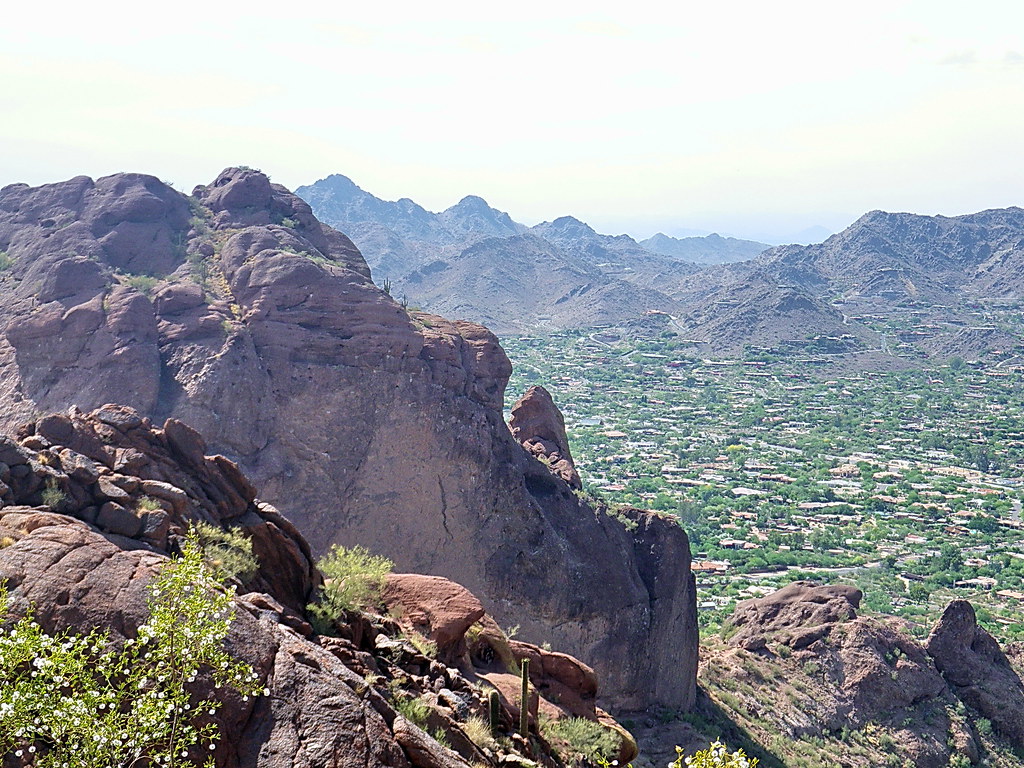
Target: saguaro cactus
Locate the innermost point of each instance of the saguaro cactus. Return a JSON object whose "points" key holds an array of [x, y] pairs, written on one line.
{"points": [[524, 702], [494, 712]]}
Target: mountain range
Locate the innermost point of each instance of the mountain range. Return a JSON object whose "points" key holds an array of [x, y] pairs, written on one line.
{"points": [[225, 357], [722, 295], [512, 277]]}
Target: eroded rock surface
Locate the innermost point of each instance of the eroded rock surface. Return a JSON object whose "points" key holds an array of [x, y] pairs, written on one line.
{"points": [[333, 699], [237, 312], [814, 667], [977, 669], [539, 427]]}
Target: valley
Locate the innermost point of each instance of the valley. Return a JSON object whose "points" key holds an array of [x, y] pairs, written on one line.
{"points": [[907, 483]]}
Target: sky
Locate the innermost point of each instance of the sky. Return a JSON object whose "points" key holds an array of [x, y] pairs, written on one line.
{"points": [[754, 119]]}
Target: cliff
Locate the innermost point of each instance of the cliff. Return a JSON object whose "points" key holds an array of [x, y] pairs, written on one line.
{"points": [[236, 311], [91, 505]]}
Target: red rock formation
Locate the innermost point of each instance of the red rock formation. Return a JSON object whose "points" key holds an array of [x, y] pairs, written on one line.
{"points": [[364, 423], [539, 427], [864, 670], [129, 491], [977, 670]]}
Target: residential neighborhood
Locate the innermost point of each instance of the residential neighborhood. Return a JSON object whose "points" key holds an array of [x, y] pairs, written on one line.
{"points": [[906, 483]]}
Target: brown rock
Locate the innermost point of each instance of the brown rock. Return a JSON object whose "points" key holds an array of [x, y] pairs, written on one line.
{"points": [[538, 425], [797, 615], [114, 518], [424, 751], [436, 608], [339, 404], [977, 670], [312, 719]]}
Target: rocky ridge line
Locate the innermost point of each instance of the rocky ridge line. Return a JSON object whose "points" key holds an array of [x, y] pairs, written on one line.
{"points": [[237, 312], [92, 503]]}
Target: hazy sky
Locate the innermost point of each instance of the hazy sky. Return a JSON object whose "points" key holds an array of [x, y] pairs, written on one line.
{"points": [[754, 118]]}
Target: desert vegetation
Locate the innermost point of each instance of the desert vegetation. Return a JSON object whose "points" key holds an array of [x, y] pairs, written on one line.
{"points": [[79, 700]]}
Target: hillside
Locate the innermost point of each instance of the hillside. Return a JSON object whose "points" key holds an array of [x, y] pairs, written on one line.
{"points": [[237, 311], [92, 505], [928, 283], [473, 261]]}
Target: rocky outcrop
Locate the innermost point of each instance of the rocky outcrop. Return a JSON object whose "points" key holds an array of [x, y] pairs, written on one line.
{"points": [[796, 615], [977, 670], [538, 425], [333, 701], [237, 312], [114, 470], [803, 659]]}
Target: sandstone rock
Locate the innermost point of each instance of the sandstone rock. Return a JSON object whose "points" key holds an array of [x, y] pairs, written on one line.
{"points": [[538, 425], [114, 518], [977, 670], [364, 423], [798, 614], [312, 717], [435, 607], [423, 751]]}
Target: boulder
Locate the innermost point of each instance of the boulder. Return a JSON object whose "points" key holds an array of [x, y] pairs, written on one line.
{"points": [[539, 427], [977, 670]]}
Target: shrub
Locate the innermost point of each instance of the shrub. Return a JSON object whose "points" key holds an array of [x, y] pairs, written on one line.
{"points": [[148, 504], [413, 709], [424, 645], [479, 732], [72, 700], [580, 739], [353, 579], [715, 756], [227, 551], [52, 495], [5, 261], [143, 283]]}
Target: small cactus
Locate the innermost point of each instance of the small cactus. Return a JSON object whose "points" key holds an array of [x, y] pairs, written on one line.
{"points": [[494, 712], [524, 703]]}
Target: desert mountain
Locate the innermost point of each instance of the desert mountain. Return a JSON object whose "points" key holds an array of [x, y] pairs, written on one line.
{"points": [[935, 272], [473, 261], [236, 311], [713, 249]]}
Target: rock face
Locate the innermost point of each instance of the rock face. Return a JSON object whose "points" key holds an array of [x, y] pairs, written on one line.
{"points": [[237, 312], [814, 668], [796, 615], [539, 427], [977, 670], [80, 570]]}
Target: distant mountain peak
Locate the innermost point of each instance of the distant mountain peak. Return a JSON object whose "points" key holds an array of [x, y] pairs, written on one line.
{"points": [[472, 201], [569, 225], [704, 249]]}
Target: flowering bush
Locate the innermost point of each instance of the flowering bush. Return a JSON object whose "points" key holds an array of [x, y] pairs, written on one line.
{"points": [[75, 701], [715, 756]]}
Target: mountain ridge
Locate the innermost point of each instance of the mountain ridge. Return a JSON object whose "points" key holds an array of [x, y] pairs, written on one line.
{"points": [[241, 314]]}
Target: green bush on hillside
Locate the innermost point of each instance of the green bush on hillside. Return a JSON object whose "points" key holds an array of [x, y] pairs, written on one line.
{"points": [[577, 739], [353, 579], [227, 551], [715, 756], [74, 701]]}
